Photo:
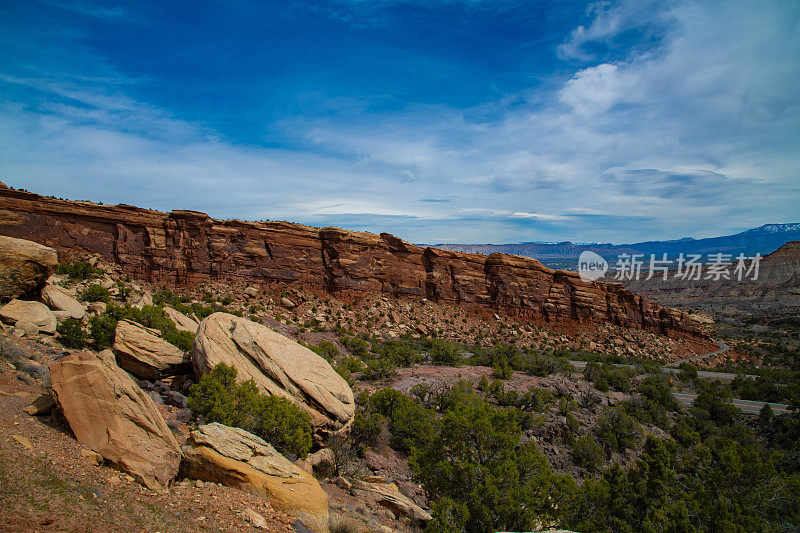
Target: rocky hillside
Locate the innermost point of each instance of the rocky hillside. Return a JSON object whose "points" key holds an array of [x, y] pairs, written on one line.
{"points": [[188, 248], [231, 407]]}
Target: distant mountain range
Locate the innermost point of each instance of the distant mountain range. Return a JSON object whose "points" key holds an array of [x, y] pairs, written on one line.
{"points": [[764, 240]]}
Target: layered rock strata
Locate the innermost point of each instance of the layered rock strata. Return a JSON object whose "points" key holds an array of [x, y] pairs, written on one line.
{"points": [[189, 247]]}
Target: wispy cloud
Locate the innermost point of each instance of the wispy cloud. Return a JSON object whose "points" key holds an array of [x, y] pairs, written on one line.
{"points": [[678, 130]]}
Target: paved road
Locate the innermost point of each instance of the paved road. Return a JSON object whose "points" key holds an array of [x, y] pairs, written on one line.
{"points": [[745, 405], [722, 349], [725, 377]]}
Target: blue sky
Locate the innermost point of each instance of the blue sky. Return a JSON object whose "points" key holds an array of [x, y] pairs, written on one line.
{"points": [[438, 121]]}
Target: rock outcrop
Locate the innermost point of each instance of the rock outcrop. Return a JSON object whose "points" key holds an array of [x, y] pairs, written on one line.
{"points": [[236, 458], [111, 415], [182, 322], [35, 313], [278, 365], [24, 266], [188, 247], [59, 299], [142, 351], [389, 496]]}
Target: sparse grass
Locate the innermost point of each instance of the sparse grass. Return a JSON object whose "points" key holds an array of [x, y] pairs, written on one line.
{"points": [[24, 360], [343, 524]]}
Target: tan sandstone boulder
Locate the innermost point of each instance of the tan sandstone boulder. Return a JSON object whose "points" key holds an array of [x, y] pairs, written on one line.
{"points": [[278, 365], [182, 322], [111, 415], [387, 495], [24, 266], [59, 299], [142, 351], [35, 313], [236, 458]]}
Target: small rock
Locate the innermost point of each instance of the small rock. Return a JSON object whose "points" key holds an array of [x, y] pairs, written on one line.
{"points": [[256, 519], [251, 292], [198, 483], [98, 308], [300, 527], [156, 397], [42, 405], [23, 441], [31, 330], [184, 415], [322, 462], [93, 456], [176, 398], [287, 303], [342, 483]]}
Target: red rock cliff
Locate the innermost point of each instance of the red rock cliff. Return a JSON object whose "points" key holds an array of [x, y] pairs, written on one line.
{"points": [[188, 247]]}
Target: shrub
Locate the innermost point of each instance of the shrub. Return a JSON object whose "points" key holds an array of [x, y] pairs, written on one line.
{"points": [[587, 453], [218, 398], [325, 349], [366, 429], [401, 353], [688, 372], [572, 423], [96, 293], [654, 402], [445, 353], [101, 330], [618, 430], [181, 339], [103, 326], [71, 333], [539, 364], [358, 347], [78, 270], [410, 423], [378, 368]]}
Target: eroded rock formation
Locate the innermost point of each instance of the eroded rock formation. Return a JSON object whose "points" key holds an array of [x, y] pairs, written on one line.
{"points": [[112, 416], [278, 365], [187, 247], [236, 458], [24, 266]]}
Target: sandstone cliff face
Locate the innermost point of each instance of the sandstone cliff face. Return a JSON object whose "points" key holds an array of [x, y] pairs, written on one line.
{"points": [[188, 247]]}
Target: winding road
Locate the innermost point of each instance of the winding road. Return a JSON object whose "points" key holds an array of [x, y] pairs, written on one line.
{"points": [[747, 406], [722, 349]]}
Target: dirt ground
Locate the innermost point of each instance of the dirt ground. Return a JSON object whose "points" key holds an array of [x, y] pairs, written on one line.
{"points": [[47, 484]]}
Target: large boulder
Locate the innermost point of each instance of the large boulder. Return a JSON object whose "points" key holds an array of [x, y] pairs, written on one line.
{"points": [[278, 365], [59, 299], [182, 322], [142, 351], [24, 266], [35, 313], [111, 415], [236, 458], [389, 496]]}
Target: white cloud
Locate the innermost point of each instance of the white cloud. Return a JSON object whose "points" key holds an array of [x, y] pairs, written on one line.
{"points": [[694, 136]]}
